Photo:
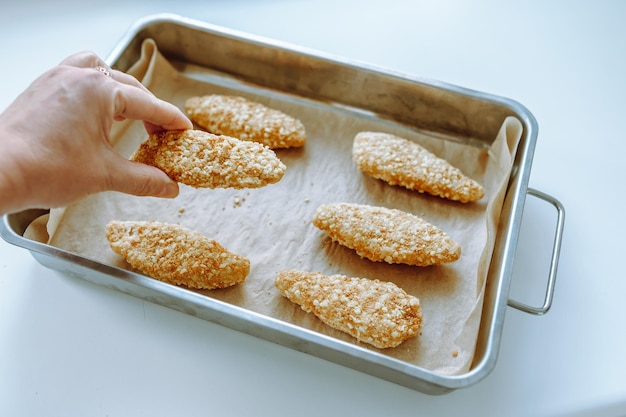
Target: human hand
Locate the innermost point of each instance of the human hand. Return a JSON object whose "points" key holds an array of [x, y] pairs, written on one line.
{"points": [[55, 137]]}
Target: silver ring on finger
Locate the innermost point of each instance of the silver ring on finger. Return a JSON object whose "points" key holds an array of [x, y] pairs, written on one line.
{"points": [[104, 70]]}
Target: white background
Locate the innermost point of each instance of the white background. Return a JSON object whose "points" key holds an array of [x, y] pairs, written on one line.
{"points": [[70, 348]]}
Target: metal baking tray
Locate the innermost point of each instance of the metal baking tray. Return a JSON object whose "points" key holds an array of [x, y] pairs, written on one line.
{"points": [[439, 108]]}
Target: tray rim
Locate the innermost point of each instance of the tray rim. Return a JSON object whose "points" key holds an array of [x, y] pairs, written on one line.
{"points": [[334, 350]]}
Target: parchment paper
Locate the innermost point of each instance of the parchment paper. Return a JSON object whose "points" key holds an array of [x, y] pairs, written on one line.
{"points": [[272, 225]]}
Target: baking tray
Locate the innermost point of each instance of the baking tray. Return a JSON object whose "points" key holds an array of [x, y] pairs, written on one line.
{"points": [[442, 110]]}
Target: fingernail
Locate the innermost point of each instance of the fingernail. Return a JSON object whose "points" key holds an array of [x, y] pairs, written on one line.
{"points": [[170, 190]]}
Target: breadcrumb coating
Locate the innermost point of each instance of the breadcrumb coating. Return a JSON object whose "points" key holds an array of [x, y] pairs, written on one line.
{"points": [[399, 161], [375, 312], [389, 235], [204, 160], [246, 120], [176, 255]]}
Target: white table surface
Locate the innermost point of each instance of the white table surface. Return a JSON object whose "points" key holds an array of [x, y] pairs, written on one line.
{"points": [[70, 348]]}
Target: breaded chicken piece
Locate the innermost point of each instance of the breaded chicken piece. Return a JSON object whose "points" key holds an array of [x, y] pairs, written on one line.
{"points": [[383, 234], [176, 255], [246, 120], [204, 160], [402, 162], [375, 312]]}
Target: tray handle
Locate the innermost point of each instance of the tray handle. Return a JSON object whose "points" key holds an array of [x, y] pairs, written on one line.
{"points": [[556, 251]]}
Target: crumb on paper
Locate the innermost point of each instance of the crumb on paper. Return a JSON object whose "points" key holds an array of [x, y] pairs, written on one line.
{"points": [[455, 353], [238, 201]]}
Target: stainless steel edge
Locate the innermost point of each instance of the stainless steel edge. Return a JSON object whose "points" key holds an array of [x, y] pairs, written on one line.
{"points": [[189, 302], [502, 262]]}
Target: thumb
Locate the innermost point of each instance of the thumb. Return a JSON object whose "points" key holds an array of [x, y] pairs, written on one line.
{"points": [[139, 179]]}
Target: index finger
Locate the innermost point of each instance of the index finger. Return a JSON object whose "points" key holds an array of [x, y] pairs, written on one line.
{"points": [[84, 59], [134, 103], [90, 60]]}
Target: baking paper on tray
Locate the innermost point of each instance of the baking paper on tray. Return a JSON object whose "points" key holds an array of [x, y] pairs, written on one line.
{"points": [[272, 225]]}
